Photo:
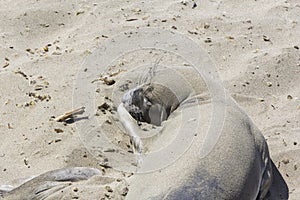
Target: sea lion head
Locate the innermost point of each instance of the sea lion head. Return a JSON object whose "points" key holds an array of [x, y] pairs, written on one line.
{"points": [[151, 103], [136, 103]]}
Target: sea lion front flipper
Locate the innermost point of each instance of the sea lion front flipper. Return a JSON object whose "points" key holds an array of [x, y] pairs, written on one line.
{"points": [[50, 182], [5, 188], [157, 114], [71, 174]]}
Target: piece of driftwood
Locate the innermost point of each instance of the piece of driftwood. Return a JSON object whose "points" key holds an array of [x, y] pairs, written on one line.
{"points": [[69, 114]]}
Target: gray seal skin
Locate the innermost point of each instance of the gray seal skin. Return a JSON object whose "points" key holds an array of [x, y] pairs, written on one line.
{"points": [[49, 183], [238, 167]]}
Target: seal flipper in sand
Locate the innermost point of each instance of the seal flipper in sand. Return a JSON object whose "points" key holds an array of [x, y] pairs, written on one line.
{"points": [[47, 184]]}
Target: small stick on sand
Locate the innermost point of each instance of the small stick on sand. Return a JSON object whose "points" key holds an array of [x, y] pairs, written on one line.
{"points": [[69, 114]]}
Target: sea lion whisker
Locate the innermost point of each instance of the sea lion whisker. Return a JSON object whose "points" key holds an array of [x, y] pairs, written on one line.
{"points": [[152, 71]]}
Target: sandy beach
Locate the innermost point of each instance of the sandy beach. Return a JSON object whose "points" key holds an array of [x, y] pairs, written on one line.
{"points": [[44, 44]]}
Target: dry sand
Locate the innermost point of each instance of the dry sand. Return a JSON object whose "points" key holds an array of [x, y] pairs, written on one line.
{"points": [[255, 45]]}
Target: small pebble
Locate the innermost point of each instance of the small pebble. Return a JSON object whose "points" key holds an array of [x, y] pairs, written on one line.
{"points": [[38, 87], [266, 39], [57, 140], [58, 130], [194, 5], [125, 191], [208, 40], [206, 26], [285, 161], [25, 161], [108, 188], [46, 49], [269, 84], [75, 189], [184, 3], [9, 126], [5, 65], [230, 37], [79, 12]]}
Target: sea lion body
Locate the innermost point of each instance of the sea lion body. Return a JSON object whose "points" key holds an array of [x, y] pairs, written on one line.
{"points": [[238, 167]]}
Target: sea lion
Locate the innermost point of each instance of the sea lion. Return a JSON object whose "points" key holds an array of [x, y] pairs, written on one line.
{"points": [[238, 167]]}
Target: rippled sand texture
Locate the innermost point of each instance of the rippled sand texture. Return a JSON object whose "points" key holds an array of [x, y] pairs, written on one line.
{"points": [[255, 45]]}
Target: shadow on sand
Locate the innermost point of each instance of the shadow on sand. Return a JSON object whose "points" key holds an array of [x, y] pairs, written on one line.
{"points": [[279, 189]]}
